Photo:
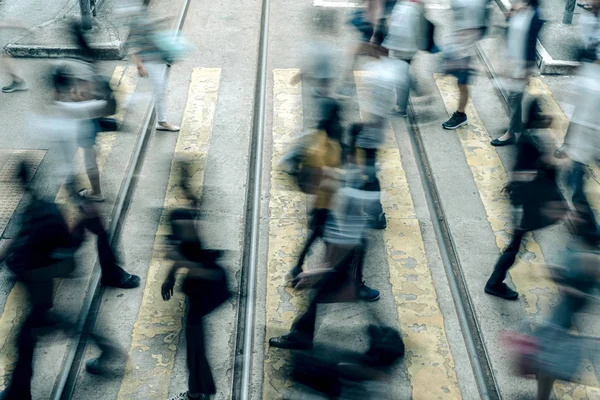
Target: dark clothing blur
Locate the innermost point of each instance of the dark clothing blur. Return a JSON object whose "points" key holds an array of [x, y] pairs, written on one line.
{"points": [[317, 228], [200, 379], [334, 286], [539, 198], [580, 201]]}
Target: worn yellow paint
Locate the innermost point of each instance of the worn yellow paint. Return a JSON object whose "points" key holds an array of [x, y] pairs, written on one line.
{"points": [[429, 360], [159, 323], [490, 177], [287, 224], [124, 79]]}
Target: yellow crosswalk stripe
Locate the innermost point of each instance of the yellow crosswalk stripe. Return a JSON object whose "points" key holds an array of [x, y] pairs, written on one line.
{"points": [[287, 230], [156, 332], [429, 361], [490, 177], [16, 307]]}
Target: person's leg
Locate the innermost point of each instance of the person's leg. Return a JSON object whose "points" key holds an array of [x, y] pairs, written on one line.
{"points": [[459, 118], [402, 95], [318, 220], [112, 273], [93, 173], [373, 208], [495, 285], [159, 88], [544, 385], [40, 296], [463, 98], [200, 378], [580, 201], [364, 292], [515, 102]]}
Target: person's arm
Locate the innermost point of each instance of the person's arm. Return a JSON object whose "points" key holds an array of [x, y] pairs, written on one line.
{"points": [[140, 66], [88, 109], [193, 270]]}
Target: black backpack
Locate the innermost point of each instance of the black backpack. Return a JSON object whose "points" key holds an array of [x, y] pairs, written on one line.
{"points": [[44, 240]]}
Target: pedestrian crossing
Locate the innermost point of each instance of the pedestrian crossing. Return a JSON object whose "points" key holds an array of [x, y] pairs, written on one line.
{"points": [[156, 332], [431, 361]]}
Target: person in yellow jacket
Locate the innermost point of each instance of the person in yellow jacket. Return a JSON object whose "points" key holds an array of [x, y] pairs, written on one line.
{"points": [[322, 157]]}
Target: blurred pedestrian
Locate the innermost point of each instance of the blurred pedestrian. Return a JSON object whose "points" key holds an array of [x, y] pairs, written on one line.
{"points": [[582, 141], [341, 277], [206, 288], [534, 193], [560, 352], [371, 23], [319, 55], [524, 26], [67, 112], [42, 251], [321, 154], [405, 35], [469, 21], [143, 45]]}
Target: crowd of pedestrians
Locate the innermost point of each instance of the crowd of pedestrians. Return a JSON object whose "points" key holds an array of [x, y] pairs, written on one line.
{"points": [[337, 163]]}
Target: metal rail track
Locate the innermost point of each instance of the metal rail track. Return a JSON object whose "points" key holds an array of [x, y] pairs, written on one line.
{"points": [[472, 333], [247, 299], [65, 383]]}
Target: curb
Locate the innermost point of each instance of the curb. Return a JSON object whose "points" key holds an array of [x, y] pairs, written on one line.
{"points": [[104, 51], [550, 66], [545, 62]]}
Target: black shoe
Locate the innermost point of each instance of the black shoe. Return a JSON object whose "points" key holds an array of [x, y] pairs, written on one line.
{"points": [[561, 152], [379, 222], [124, 281], [105, 367], [366, 293], [291, 342], [290, 277], [499, 143], [457, 119], [502, 291]]}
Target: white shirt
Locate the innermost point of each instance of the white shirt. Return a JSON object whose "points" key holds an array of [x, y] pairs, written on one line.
{"points": [[405, 30], [62, 126]]}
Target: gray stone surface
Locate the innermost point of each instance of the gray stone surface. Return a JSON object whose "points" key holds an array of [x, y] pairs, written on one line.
{"points": [[47, 34]]}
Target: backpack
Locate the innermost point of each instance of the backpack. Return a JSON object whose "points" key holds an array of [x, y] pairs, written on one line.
{"points": [[44, 240]]}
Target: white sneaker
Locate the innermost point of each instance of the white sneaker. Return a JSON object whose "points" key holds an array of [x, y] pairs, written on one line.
{"points": [[165, 126]]}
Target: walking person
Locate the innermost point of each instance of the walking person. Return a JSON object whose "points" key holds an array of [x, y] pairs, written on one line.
{"points": [[67, 112], [533, 191], [206, 288], [404, 37], [582, 142], [322, 154], [344, 235], [524, 26], [371, 24], [469, 19], [149, 59], [42, 251]]}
